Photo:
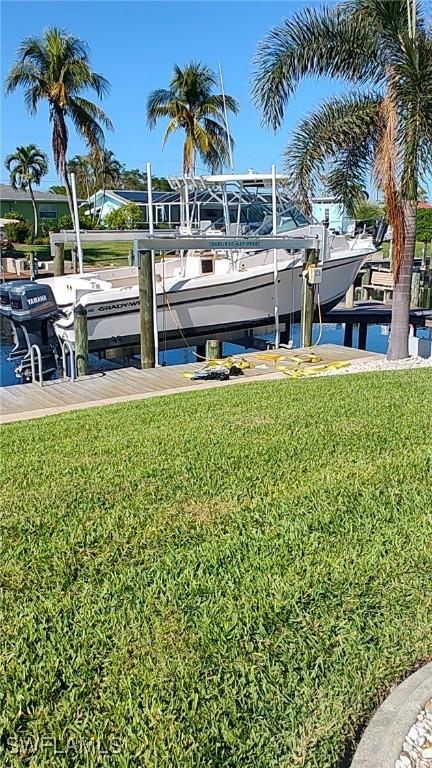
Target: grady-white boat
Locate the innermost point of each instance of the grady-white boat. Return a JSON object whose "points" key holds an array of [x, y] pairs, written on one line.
{"points": [[225, 282], [202, 292]]}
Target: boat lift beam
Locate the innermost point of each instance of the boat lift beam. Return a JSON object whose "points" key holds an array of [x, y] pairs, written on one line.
{"points": [[171, 242], [198, 243]]}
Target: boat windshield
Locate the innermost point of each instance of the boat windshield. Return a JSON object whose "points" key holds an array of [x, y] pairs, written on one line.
{"points": [[257, 219], [288, 219]]}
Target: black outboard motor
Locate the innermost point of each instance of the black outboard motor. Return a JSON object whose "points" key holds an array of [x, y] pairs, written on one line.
{"points": [[33, 310], [20, 347], [379, 232]]}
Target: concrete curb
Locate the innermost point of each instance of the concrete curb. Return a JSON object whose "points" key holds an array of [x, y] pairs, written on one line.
{"points": [[381, 743]]}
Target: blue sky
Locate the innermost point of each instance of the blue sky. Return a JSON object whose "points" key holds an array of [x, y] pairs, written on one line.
{"points": [[135, 44]]}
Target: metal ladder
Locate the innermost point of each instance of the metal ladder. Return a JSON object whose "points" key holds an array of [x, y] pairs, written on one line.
{"points": [[35, 349], [66, 347]]}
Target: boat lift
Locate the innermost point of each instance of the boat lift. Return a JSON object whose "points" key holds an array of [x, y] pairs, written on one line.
{"points": [[151, 243], [146, 241]]}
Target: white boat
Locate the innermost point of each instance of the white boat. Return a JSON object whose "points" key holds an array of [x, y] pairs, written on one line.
{"points": [[203, 292], [209, 289]]}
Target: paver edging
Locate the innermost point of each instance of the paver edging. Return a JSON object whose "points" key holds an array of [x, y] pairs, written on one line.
{"points": [[382, 741]]}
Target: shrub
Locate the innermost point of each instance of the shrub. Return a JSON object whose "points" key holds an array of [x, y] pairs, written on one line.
{"points": [[19, 231], [14, 215], [47, 226], [65, 222], [368, 212], [424, 225], [129, 216]]}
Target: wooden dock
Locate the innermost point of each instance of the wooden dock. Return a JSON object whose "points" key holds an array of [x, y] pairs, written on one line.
{"points": [[31, 401], [374, 313]]}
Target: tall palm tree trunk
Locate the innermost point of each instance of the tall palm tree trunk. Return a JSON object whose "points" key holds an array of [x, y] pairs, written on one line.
{"points": [[398, 346], [59, 144], [35, 213]]}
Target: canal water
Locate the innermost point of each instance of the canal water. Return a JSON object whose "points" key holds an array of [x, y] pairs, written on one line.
{"points": [[377, 341]]}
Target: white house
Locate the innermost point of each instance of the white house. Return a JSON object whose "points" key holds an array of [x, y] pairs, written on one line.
{"points": [[325, 208]]}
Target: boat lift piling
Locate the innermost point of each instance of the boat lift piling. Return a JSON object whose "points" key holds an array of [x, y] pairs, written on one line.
{"points": [[147, 310], [59, 259], [155, 352], [81, 340], [308, 299]]}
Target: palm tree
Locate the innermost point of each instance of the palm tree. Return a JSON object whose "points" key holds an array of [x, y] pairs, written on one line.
{"points": [[191, 106], [27, 165], [384, 126], [56, 68], [81, 166], [106, 169]]}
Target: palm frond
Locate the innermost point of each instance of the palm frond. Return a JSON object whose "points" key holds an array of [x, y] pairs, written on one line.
{"points": [[339, 128], [214, 105], [85, 124], [94, 111], [313, 43], [386, 176], [158, 105], [172, 126]]}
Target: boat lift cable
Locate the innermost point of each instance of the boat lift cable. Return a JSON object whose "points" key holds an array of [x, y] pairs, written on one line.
{"points": [[201, 357]]}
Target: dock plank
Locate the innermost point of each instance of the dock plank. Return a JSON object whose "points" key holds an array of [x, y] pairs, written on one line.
{"points": [[121, 385]]}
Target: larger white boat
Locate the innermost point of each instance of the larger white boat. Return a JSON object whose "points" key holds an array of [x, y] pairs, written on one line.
{"points": [[203, 292], [210, 288]]}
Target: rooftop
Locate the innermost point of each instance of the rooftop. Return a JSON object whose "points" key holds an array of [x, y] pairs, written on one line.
{"points": [[8, 192]]}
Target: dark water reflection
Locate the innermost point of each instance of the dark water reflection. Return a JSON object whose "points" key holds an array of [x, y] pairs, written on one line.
{"points": [[377, 341]]}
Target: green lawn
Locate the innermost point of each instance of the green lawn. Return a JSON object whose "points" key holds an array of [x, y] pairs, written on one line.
{"points": [[227, 578], [98, 254], [419, 250]]}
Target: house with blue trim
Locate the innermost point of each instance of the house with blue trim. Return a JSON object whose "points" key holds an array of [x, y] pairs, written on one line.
{"points": [[166, 207]]}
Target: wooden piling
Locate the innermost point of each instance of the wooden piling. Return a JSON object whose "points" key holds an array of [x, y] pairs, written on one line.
{"points": [[81, 340], [415, 289], [362, 335], [130, 257], [365, 280], [213, 349], [145, 282], [33, 265], [58, 259], [348, 335], [307, 305], [74, 256]]}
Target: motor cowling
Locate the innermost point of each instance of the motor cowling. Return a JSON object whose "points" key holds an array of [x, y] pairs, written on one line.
{"points": [[5, 301], [20, 347], [33, 310]]}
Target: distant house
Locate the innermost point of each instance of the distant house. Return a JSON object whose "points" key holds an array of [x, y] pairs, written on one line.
{"points": [[49, 205], [204, 207], [166, 205], [327, 209]]}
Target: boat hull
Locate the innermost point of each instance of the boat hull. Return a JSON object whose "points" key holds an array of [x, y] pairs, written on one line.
{"points": [[192, 311]]}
